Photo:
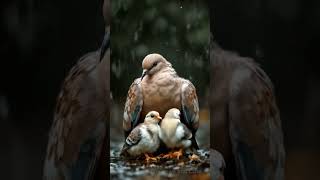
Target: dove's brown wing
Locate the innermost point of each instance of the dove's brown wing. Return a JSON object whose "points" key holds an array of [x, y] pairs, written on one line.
{"points": [[190, 108], [255, 127], [79, 124], [132, 107], [104, 93]]}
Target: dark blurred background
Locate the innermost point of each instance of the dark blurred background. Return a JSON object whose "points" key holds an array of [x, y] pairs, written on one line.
{"points": [[41, 40], [283, 36]]}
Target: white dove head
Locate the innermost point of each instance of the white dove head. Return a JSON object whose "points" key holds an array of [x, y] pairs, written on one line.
{"points": [[173, 113], [153, 63], [153, 117]]}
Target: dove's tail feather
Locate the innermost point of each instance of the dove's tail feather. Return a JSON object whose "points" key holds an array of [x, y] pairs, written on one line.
{"points": [[194, 143]]}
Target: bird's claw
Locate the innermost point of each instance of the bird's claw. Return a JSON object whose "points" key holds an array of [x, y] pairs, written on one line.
{"points": [[167, 156], [148, 158], [194, 158], [178, 154], [172, 155]]}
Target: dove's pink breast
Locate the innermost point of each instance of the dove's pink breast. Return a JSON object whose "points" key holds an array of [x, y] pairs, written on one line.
{"points": [[160, 95]]}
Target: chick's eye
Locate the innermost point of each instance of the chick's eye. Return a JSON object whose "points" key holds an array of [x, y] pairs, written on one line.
{"points": [[152, 115], [154, 64]]}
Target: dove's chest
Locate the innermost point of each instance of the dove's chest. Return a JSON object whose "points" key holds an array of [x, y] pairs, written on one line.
{"points": [[160, 94]]}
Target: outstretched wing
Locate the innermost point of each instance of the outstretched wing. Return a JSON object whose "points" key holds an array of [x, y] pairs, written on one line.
{"points": [[132, 107], [255, 127], [79, 125], [190, 108]]}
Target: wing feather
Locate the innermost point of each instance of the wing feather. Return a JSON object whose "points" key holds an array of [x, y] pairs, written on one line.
{"points": [[133, 107], [190, 109], [79, 123], [190, 105], [255, 127], [133, 138]]}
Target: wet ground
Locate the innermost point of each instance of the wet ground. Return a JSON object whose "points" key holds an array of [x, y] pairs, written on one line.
{"points": [[121, 168]]}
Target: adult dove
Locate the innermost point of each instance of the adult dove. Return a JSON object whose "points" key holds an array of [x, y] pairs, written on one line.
{"points": [[160, 89], [144, 138], [246, 122], [77, 145]]}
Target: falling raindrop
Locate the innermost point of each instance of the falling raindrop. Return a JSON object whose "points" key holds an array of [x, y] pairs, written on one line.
{"points": [[111, 95], [136, 36], [188, 26]]}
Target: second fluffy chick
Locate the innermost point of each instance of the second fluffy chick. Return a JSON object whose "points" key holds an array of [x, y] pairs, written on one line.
{"points": [[173, 133]]}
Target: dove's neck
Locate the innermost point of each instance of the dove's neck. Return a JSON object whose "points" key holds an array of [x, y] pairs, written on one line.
{"points": [[168, 70], [162, 77], [161, 91]]}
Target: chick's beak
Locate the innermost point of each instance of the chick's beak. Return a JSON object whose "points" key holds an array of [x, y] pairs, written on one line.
{"points": [[159, 118]]}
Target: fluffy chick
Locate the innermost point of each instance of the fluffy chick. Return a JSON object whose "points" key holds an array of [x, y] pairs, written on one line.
{"points": [[173, 133], [144, 138]]}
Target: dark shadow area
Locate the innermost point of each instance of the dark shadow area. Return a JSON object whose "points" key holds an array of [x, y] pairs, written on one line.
{"points": [[40, 42]]}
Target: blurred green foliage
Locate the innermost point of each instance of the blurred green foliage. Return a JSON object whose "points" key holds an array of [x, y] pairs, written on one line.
{"points": [[178, 30]]}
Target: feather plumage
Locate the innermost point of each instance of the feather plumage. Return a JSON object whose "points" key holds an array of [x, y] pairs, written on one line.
{"points": [[160, 89], [133, 107], [77, 135], [246, 117], [144, 138], [173, 133]]}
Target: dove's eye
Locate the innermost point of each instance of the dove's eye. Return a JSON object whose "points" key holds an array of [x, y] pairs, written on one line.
{"points": [[154, 64], [152, 115]]}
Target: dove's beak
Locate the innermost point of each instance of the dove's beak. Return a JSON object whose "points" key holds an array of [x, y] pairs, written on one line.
{"points": [[144, 73]]}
